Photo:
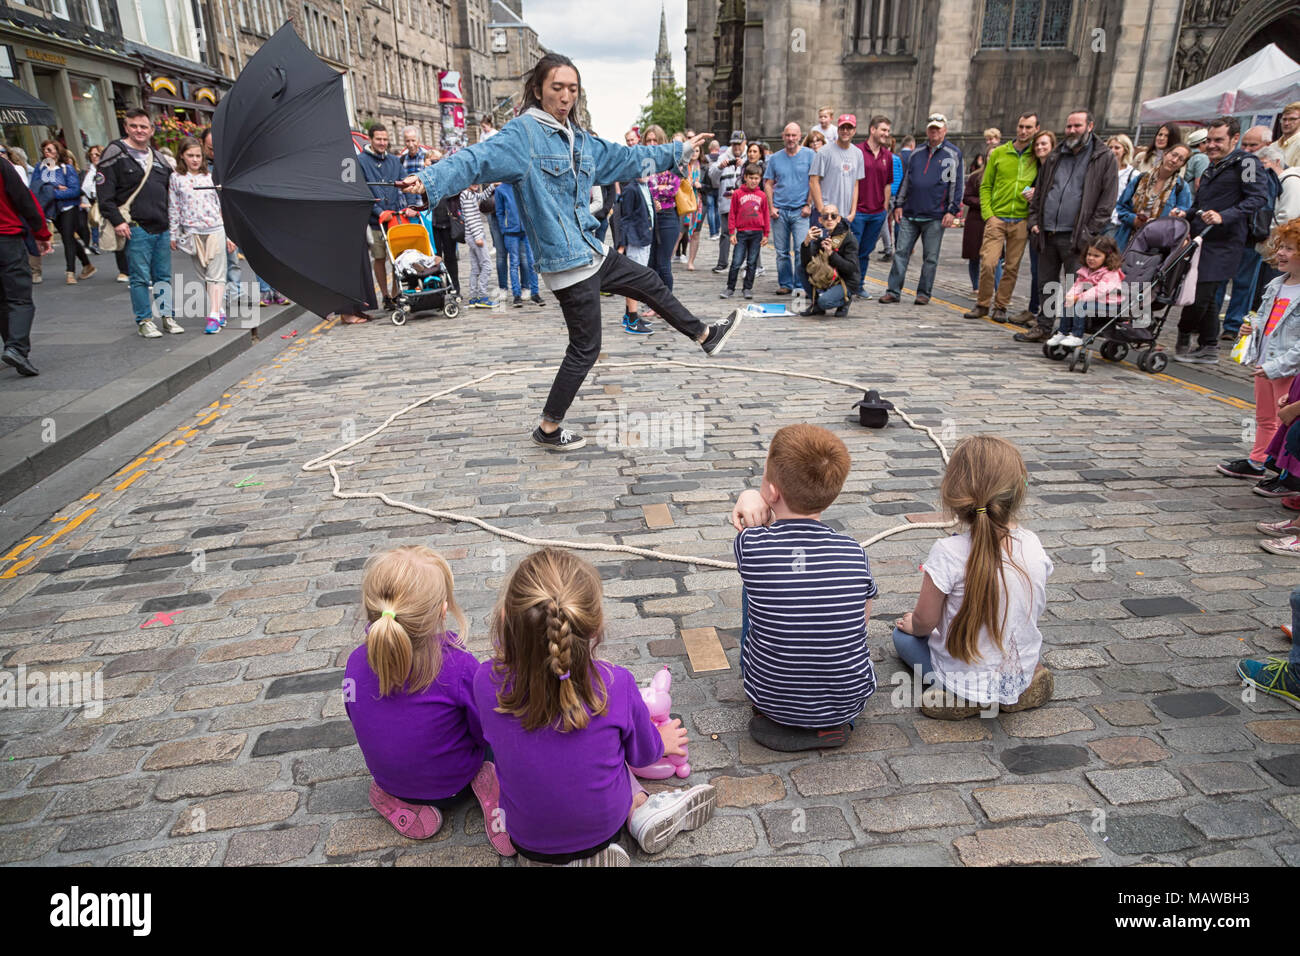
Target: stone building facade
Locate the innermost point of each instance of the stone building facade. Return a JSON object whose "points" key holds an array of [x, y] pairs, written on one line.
{"points": [[757, 64]]}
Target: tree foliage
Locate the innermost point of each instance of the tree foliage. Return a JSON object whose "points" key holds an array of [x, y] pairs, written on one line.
{"points": [[667, 108]]}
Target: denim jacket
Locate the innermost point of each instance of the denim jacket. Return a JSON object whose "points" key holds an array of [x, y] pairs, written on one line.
{"points": [[552, 182], [1279, 353]]}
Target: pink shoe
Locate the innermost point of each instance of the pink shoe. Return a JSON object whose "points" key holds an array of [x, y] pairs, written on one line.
{"points": [[417, 821], [488, 790]]}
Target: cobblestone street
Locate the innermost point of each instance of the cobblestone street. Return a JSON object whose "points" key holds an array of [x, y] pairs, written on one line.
{"points": [[214, 587]]}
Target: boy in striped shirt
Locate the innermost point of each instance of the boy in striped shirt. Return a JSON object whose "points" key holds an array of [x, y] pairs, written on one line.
{"points": [[806, 598]]}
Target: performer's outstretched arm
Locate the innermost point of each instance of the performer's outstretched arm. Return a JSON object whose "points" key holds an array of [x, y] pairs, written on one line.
{"points": [[620, 164], [501, 159]]}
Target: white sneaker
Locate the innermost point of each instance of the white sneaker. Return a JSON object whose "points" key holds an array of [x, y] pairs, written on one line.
{"points": [[1071, 342], [1056, 339], [148, 329], [172, 326], [654, 824]]}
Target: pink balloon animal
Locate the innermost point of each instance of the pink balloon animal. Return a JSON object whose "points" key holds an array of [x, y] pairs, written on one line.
{"points": [[659, 703]]}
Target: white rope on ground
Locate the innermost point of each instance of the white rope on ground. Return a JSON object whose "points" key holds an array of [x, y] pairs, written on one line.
{"points": [[326, 461]]}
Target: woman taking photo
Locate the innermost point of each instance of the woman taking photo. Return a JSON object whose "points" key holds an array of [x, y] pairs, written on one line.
{"points": [[553, 163], [59, 190]]}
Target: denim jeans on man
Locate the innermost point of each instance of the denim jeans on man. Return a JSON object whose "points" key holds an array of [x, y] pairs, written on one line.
{"points": [[746, 251], [1243, 290], [17, 311], [149, 259], [520, 253], [790, 225], [866, 229], [930, 232], [711, 213], [499, 247]]}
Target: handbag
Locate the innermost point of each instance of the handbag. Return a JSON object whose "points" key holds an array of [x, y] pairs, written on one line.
{"points": [[686, 201], [109, 241], [186, 244]]}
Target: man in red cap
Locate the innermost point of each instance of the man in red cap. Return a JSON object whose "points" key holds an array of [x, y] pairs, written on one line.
{"points": [[836, 169], [19, 214]]}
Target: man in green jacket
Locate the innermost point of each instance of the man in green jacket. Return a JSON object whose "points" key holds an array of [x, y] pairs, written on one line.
{"points": [[1011, 170]]}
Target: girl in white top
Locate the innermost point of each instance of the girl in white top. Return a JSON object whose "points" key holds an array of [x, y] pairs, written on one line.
{"points": [[194, 213], [982, 592]]}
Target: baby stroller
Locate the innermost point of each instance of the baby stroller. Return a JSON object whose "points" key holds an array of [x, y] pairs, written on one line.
{"points": [[1159, 273], [425, 286]]}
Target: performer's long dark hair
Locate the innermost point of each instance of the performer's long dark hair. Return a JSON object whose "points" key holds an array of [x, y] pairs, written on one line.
{"points": [[535, 77]]}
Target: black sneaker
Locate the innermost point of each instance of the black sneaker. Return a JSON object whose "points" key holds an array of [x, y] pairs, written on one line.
{"points": [[841, 312], [519, 302], [718, 270], [1241, 468], [638, 326], [812, 310], [560, 440], [538, 300], [1283, 486], [718, 334]]}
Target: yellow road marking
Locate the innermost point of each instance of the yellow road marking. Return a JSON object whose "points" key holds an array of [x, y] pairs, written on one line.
{"points": [[135, 464], [127, 482], [21, 547], [13, 572], [62, 531]]}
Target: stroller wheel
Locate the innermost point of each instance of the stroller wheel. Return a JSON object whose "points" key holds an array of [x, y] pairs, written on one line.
{"points": [[399, 316], [1157, 361], [451, 307], [1074, 359], [1114, 351], [1142, 357], [1055, 352], [1085, 360]]}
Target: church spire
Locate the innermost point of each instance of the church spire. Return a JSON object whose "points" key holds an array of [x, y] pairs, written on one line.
{"points": [[663, 75]]}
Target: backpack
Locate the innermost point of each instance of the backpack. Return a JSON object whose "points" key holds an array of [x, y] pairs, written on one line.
{"points": [[1260, 225]]}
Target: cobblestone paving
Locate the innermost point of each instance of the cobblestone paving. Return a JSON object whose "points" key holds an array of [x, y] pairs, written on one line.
{"points": [[216, 595]]}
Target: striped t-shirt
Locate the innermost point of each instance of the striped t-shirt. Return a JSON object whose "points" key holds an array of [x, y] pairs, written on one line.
{"points": [[805, 661]]}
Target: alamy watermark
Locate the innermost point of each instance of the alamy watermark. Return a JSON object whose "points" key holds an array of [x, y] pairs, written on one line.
{"points": [[625, 428], [84, 689]]}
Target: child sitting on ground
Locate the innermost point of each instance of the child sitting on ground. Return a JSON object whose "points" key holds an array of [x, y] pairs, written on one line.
{"points": [[408, 693], [974, 630], [806, 597], [1096, 291], [1272, 349], [565, 726]]}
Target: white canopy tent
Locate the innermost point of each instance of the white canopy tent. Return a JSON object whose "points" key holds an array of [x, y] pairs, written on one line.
{"points": [[1217, 96], [1269, 96]]}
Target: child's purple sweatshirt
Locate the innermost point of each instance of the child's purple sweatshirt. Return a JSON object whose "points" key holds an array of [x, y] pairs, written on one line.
{"points": [[423, 746], [566, 792]]}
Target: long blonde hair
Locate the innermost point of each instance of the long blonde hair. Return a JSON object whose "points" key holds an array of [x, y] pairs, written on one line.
{"points": [[545, 629], [983, 487], [408, 593]]}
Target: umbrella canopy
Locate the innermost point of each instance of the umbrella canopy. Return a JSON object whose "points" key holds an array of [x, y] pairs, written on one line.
{"points": [[1269, 96], [292, 195], [20, 108], [1217, 95]]}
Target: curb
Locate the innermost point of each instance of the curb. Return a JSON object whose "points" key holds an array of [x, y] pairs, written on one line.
{"points": [[100, 414]]}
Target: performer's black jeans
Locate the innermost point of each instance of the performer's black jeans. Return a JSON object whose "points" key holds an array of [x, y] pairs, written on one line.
{"points": [[16, 308], [581, 307]]}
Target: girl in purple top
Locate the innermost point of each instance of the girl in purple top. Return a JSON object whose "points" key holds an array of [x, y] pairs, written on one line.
{"points": [[408, 692], [667, 227], [564, 726]]}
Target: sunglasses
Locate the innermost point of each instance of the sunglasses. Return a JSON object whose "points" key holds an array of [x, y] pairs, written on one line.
{"points": [[830, 218]]}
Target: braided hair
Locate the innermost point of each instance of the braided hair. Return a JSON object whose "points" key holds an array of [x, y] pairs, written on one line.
{"points": [[545, 631]]}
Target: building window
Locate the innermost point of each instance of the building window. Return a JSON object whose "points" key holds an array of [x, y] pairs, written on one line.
{"points": [[96, 16], [1025, 24], [883, 27]]}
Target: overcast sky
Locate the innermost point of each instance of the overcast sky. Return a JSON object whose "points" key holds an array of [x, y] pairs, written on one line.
{"points": [[613, 44]]}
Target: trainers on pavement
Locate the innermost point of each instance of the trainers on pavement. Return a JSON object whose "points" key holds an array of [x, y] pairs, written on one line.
{"points": [[1279, 487], [719, 333], [1069, 342], [213, 325], [998, 315], [666, 814], [411, 820], [1025, 318], [560, 440], [148, 329], [1275, 677], [748, 294], [978, 312], [726, 293], [1056, 339], [1036, 334], [1241, 468], [172, 326]]}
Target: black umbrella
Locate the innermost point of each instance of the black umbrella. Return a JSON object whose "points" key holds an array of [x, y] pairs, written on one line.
{"points": [[291, 193], [20, 108]]}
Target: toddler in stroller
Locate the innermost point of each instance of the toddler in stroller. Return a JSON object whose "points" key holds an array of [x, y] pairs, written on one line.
{"points": [[1158, 271], [425, 283]]}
